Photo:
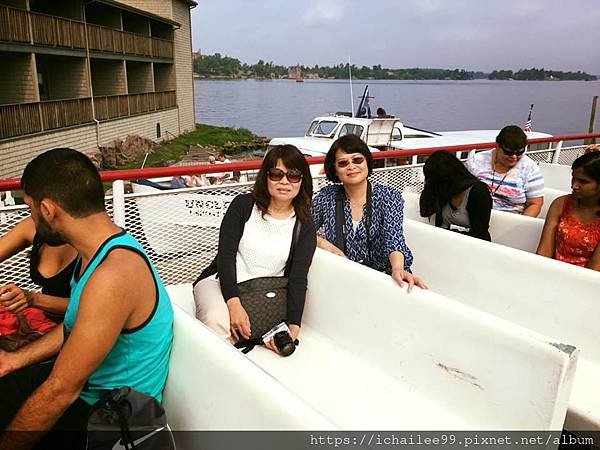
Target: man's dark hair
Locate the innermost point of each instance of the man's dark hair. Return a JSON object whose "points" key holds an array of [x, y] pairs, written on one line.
{"points": [[512, 137], [67, 177], [349, 144]]}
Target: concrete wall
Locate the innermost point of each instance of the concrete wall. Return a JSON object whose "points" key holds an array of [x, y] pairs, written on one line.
{"points": [[139, 77], [164, 77], [14, 155], [65, 77], [18, 81], [108, 77], [183, 65]]}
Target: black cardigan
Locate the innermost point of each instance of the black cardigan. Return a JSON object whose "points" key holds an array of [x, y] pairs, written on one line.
{"points": [[224, 264], [479, 208]]}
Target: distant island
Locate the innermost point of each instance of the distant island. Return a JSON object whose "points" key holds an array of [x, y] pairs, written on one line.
{"points": [[218, 66]]}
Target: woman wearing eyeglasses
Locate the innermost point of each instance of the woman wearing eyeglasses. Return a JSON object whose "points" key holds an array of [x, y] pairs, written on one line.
{"points": [[361, 220], [515, 180], [255, 240]]}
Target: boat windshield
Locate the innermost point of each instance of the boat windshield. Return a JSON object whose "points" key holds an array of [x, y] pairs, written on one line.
{"points": [[322, 128], [350, 128]]}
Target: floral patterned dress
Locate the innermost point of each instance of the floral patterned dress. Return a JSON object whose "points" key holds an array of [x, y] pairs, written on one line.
{"points": [[575, 241]]}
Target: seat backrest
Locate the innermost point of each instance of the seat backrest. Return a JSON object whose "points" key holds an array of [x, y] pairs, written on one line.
{"points": [[550, 195], [556, 176], [457, 359], [212, 386], [548, 296], [512, 230]]}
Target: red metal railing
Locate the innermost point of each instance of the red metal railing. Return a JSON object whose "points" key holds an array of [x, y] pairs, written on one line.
{"points": [[155, 172]]}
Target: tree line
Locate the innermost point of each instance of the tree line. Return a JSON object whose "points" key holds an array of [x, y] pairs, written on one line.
{"points": [[224, 66], [540, 74]]}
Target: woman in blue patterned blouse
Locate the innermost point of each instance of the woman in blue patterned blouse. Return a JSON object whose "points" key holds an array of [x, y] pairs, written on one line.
{"points": [[370, 229]]}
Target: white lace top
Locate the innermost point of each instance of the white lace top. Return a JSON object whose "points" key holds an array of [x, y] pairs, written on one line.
{"points": [[264, 247]]}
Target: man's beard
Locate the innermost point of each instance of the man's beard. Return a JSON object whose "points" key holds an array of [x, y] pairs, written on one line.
{"points": [[48, 235]]}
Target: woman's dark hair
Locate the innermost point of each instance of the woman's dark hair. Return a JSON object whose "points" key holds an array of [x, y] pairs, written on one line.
{"points": [[512, 137], [445, 177], [291, 158], [349, 143], [590, 163]]}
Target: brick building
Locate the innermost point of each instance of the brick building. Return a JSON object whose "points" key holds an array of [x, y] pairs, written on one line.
{"points": [[82, 73]]}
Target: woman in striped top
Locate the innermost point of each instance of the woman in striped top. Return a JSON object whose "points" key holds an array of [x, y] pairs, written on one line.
{"points": [[515, 180]]}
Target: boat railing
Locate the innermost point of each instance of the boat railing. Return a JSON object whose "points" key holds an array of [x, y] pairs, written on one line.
{"points": [[179, 228]]}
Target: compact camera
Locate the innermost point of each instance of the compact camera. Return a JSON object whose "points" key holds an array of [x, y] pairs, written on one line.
{"points": [[283, 340]]}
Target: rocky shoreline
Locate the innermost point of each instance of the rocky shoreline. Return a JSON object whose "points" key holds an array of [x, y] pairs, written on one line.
{"points": [[133, 150]]}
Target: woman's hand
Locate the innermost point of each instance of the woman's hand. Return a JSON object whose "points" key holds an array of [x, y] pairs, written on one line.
{"points": [[326, 245], [592, 148], [14, 299], [401, 276], [294, 332], [239, 321]]}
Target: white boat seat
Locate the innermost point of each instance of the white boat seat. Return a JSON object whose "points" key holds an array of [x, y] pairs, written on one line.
{"points": [[549, 196], [212, 386], [373, 357], [551, 297], [556, 176], [182, 295], [512, 230]]}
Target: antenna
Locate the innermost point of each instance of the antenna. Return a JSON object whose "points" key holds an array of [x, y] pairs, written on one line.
{"points": [[351, 94]]}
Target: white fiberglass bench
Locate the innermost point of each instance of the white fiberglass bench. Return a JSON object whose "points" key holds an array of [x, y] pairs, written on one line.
{"points": [[553, 298], [512, 230], [372, 356], [556, 176]]}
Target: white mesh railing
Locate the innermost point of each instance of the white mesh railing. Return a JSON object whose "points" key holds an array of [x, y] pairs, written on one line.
{"points": [[16, 269], [179, 228]]}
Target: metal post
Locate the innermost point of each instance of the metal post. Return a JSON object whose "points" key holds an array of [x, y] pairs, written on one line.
{"points": [[556, 154], [118, 189], [592, 121]]}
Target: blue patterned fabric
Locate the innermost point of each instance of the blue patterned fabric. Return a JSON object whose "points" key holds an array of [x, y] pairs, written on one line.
{"points": [[386, 232]]}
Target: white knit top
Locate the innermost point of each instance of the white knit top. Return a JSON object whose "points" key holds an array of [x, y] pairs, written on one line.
{"points": [[264, 247]]}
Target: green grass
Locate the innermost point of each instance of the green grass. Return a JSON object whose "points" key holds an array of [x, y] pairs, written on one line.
{"points": [[203, 135]]}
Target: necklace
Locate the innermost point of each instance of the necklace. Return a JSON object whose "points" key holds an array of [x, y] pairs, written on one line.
{"points": [[494, 191]]}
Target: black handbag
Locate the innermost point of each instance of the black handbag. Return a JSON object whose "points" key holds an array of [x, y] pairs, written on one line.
{"points": [[265, 299], [265, 302], [128, 419]]}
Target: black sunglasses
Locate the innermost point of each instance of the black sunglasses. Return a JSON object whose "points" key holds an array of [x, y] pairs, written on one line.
{"points": [[292, 175], [356, 160], [508, 152]]}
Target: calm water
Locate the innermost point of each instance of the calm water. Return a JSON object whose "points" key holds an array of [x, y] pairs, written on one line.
{"points": [[285, 108]]}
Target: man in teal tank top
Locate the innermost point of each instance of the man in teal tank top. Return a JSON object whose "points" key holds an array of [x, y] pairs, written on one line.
{"points": [[118, 328]]}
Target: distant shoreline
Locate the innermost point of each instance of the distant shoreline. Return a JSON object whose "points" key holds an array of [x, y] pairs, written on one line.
{"points": [[224, 77]]}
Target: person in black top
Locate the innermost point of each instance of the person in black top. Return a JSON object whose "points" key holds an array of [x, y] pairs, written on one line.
{"points": [[457, 199], [254, 241], [51, 268]]}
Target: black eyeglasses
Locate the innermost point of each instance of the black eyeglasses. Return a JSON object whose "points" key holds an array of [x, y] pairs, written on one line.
{"points": [[509, 152], [356, 160], [292, 175]]}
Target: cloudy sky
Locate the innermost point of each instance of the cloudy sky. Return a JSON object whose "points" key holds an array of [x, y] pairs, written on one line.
{"points": [[470, 34]]}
